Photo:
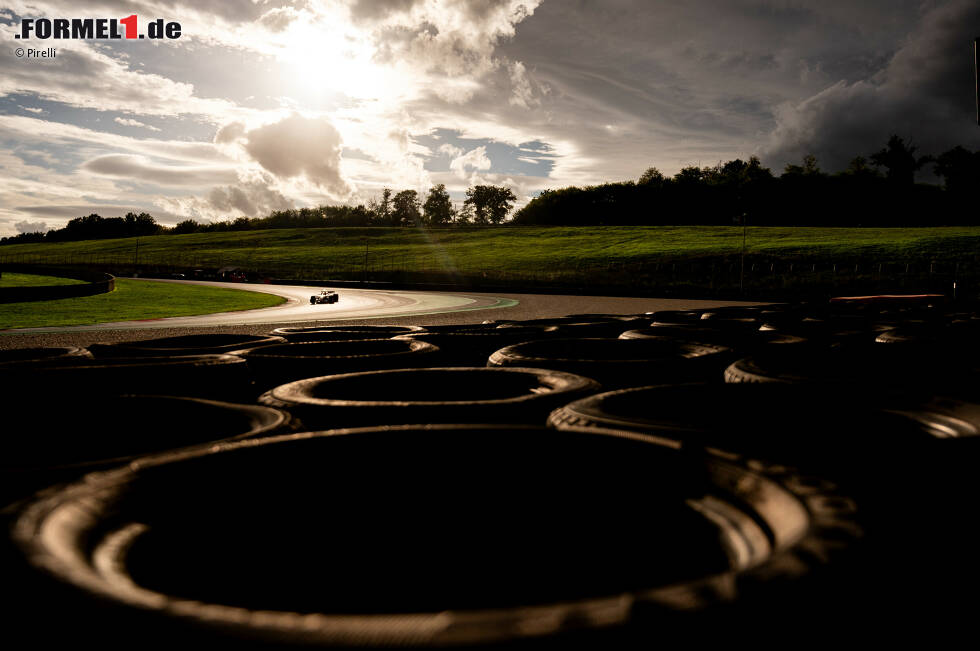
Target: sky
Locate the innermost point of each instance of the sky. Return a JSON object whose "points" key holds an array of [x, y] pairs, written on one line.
{"points": [[262, 105]]}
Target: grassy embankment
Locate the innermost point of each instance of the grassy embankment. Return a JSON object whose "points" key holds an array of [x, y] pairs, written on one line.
{"points": [[520, 254], [132, 300]]}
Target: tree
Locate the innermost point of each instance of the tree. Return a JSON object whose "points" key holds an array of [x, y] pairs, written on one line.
{"points": [[438, 208], [652, 177], [858, 167], [900, 161], [959, 168], [381, 209], [406, 208], [809, 167], [738, 173], [689, 176], [186, 226], [141, 224], [490, 203]]}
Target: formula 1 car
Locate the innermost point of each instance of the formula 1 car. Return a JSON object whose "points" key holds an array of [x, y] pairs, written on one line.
{"points": [[324, 297]]}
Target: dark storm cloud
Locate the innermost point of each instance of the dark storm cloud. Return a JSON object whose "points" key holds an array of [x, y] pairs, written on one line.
{"points": [[925, 94]]}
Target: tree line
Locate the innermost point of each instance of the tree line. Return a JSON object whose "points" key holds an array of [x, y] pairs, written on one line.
{"points": [[484, 205], [874, 190]]}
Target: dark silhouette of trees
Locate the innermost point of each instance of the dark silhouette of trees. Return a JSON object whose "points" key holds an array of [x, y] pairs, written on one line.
{"points": [[437, 207], [490, 203], [652, 177], [802, 195], [858, 167], [959, 168], [900, 161]]}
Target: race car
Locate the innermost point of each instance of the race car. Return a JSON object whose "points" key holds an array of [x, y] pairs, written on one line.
{"points": [[324, 297]]}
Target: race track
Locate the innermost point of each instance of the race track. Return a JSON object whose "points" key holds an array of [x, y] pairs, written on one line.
{"points": [[355, 306]]}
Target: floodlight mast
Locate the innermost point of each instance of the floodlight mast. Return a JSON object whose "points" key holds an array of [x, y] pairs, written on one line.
{"points": [[976, 74]]}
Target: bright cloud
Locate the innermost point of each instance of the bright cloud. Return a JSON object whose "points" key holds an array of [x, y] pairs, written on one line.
{"points": [[285, 103]]}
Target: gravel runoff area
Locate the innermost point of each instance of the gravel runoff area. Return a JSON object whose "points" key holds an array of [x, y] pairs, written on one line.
{"points": [[530, 306]]}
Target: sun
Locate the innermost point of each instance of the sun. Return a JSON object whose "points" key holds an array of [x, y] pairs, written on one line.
{"points": [[319, 60]]}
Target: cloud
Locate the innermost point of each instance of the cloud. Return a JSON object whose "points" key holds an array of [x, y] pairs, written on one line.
{"points": [[229, 133], [31, 227], [300, 146], [523, 95], [475, 159], [126, 122], [450, 150], [252, 199], [86, 77], [140, 168], [923, 94]]}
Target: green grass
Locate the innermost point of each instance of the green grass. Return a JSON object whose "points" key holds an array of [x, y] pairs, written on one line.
{"points": [[528, 253], [30, 280], [132, 300]]}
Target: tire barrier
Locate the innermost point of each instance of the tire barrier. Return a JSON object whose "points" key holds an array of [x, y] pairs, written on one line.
{"points": [[617, 363], [44, 446], [429, 395], [207, 344], [857, 366], [324, 333], [907, 456], [282, 363], [368, 537], [469, 347], [572, 327], [861, 419], [21, 356], [675, 317], [740, 342], [469, 327], [216, 377]]}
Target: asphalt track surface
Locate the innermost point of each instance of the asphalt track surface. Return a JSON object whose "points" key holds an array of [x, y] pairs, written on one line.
{"points": [[355, 307]]}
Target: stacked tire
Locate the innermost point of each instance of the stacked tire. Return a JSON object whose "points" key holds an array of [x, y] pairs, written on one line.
{"points": [[608, 480]]}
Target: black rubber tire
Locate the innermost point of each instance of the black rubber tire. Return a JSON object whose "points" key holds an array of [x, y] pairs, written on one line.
{"points": [[323, 333], [908, 458], [740, 342], [862, 365], [675, 317], [43, 446], [204, 344], [282, 363], [617, 363], [429, 395], [21, 356], [452, 328], [216, 377], [572, 327], [468, 347], [432, 536], [832, 431]]}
